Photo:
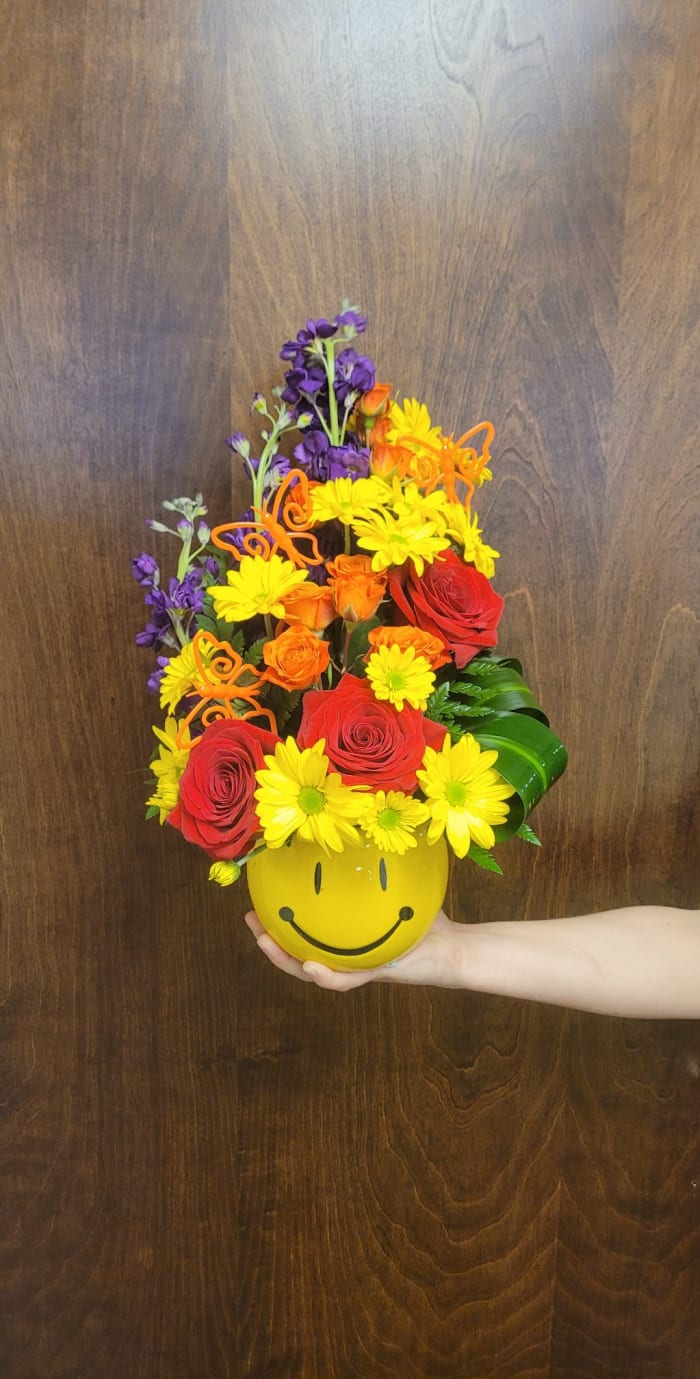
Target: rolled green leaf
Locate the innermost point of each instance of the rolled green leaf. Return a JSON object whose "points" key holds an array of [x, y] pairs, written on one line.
{"points": [[502, 691], [530, 758]]}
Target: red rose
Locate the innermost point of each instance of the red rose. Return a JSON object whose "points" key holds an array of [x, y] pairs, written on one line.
{"points": [[368, 741], [453, 602], [216, 808]]}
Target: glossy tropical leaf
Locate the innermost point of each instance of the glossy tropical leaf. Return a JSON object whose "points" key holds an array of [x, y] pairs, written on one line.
{"points": [[501, 690], [530, 758]]}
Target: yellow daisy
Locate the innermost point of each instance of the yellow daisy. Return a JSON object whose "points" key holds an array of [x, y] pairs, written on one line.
{"points": [[181, 676], [399, 675], [391, 819], [465, 795], [464, 528], [257, 586], [297, 795], [410, 502], [411, 423], [394, 539], [346, 499], [168, 767]]}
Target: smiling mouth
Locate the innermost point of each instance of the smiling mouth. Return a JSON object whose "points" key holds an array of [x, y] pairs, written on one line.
{"points": [[288, 916]]}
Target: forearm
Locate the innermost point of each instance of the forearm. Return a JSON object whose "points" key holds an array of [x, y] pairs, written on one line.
{"points": [[643, 961]]}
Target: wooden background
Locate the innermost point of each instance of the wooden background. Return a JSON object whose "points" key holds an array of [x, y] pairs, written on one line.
{"points": [[207, 1170]]}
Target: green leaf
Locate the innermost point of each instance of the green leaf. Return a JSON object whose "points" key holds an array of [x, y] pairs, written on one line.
{"points": [[526, 832], [358, 645], [254, 652], [483, 859], [438, 702], [152, 812], [530, 758]]}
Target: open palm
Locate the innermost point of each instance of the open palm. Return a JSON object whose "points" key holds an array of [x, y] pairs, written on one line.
{"points": [[431, 963]]}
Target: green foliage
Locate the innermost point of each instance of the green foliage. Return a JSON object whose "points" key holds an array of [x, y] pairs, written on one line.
{"points": [[358, 645], [526, 832], [152, 811], [254, 652], [483, 859]]}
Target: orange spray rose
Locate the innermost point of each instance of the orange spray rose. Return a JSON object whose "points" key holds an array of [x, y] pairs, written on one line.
{"points": [[295, 659], [357, 589], [310, 604], [423, 643]]}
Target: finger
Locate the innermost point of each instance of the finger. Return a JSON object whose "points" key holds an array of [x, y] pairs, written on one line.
{"points": [[280, 959], [332, 980], [254, 924]]}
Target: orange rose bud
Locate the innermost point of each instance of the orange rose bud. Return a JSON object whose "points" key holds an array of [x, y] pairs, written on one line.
{"points": [[423, 643], [375, 403], [310, 604], [379, 431], [387, 460], [295, 659], [357, 588]]}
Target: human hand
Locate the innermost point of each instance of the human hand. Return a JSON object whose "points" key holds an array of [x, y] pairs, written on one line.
{"points": [[433, 961]]}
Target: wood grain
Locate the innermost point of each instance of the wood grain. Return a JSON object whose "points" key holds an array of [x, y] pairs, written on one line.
{"points": [[208, 1171]]}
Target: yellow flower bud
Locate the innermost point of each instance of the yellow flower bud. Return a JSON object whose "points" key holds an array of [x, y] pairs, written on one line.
{"points": [[224, 873]]}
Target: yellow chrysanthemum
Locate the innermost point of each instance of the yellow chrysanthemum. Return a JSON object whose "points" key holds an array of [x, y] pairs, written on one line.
{"points": [[224, 873], [297, 795], [409, 502], [181, 676], [464, 528], [465, 795], [399, 675], [168, 767], [347, 499], [412, 423], [391, 819], [257, 586], [394, 539]]}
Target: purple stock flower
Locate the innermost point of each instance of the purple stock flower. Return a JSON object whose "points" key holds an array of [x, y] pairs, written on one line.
{"points": [[187, 594], [144, 568], [154, 679], [315, 330], [151, 635], [211, 566], [352, 318], [347, 462], [303, 381], [353, 373]]}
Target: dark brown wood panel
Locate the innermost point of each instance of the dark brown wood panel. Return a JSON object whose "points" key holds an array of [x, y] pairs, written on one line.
{"points": [[209, 1171]]}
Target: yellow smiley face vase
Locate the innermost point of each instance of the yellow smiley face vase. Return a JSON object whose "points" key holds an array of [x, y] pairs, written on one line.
{"points": [[356, 908]]}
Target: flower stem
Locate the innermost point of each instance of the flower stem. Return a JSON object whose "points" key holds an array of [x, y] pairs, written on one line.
{"points": [[268, 625], [329, 349]]}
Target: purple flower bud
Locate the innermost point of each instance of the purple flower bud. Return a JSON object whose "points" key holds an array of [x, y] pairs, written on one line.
{"points": [[258, 404], [145, 569], [203, 533], [239, 443], [185, 527], [211, 566]]}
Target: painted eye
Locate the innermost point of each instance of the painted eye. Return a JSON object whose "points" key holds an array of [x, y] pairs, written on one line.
{"points": [[317, 877], [382, 874]]}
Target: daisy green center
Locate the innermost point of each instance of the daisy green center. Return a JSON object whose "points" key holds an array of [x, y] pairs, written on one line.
{"points": [[389, 818], [311, 800], [395, 679], [456, 794]]}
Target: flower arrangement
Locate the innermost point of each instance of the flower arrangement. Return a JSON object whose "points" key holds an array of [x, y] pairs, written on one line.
{"points": [[327, 661]]}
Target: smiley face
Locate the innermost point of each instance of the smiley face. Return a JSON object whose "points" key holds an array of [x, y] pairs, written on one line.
{"points": [[357, 908]]}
